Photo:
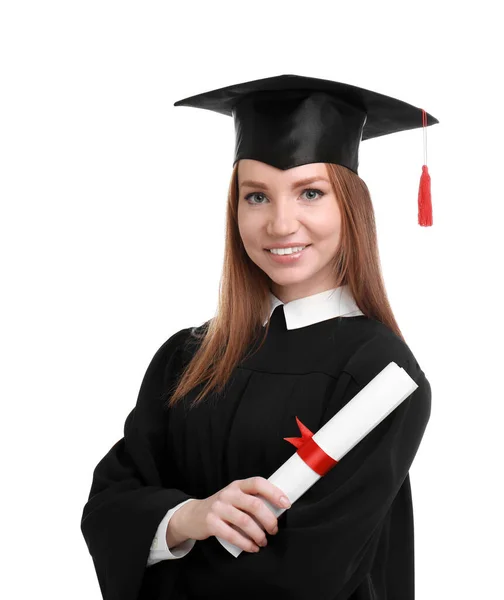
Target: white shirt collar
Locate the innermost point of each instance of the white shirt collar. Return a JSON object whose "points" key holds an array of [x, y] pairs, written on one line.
{"points": [[336, 302]]}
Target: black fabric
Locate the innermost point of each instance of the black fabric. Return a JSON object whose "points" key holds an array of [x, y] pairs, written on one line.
{"points": [[277, 319], [130, 491], [349, 537], [291, 120]]}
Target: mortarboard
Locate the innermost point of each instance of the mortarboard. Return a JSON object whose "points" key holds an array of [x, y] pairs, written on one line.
{"points": [[290, 120]]}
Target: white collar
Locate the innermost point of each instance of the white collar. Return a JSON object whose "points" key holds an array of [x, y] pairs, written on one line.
{"points": [[336, 302]]}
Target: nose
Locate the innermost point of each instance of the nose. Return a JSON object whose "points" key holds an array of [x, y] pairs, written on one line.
{"points": [[283, 219]]}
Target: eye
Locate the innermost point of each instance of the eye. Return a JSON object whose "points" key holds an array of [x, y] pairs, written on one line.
{"points": [[253, 194], [249, 196], [316, 191]]}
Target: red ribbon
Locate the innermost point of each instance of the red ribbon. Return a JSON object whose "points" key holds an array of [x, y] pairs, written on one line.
{"points": [[310, 452]]}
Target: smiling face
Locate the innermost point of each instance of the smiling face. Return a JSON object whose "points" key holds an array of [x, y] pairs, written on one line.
{"points": [[277, 207]]}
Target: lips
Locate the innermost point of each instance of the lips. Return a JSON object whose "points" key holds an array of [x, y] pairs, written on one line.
{"points": [[288, 259], [288, 247]]}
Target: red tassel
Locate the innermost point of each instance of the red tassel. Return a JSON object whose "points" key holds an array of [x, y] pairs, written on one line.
{"points": [[424, 199], [424, 191]]}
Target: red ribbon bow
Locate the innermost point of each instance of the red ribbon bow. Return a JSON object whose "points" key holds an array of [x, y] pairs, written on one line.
{"points": [[310, 452]]}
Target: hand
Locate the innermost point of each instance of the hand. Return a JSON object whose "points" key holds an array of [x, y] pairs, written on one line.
{"points": [[233, 504]]}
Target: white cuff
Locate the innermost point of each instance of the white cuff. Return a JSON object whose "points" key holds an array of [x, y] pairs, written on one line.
{"points": [[159, 549]]}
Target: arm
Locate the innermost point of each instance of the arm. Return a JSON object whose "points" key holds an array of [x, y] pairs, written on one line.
{"points": [[129, 495], [338, 531]]}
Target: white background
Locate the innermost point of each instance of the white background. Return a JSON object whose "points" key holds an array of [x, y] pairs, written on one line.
{"points": [[112, 232]]}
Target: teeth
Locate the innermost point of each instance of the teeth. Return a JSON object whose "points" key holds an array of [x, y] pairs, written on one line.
{"points": [[286, 250]]}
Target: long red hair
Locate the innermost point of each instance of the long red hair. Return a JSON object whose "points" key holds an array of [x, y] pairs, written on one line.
{"points": [[244, 288]]}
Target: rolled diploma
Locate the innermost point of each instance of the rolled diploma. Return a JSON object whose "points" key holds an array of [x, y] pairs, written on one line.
{"points": [[339, 435]]}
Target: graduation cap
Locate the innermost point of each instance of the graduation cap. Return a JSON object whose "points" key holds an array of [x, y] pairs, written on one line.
{"points": [[290, 120]]}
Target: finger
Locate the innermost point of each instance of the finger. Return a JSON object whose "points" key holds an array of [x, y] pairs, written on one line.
{"points": [[259, 512], [267, 489], [243, 520], [228, 533], [262, 510]]}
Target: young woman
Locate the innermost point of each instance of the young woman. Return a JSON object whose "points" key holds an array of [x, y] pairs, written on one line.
{"points": [[296, 334]]}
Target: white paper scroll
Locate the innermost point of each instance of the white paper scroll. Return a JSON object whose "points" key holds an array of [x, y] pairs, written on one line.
{"points": [[339, 435]]}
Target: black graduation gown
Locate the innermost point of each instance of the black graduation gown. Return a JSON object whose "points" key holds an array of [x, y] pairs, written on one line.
{"points": [[350, 536]]}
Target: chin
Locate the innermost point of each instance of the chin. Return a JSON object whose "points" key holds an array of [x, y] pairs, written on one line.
{"points": [[287, 278]]}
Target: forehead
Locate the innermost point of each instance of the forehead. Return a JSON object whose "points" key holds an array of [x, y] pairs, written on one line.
{"points": [[259, 171]]}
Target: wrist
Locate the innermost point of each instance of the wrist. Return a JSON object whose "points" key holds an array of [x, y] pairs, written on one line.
{"points": [[175, 532]]}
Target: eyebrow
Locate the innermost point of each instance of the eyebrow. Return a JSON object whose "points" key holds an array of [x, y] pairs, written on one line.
{"points": [[298, 184]]}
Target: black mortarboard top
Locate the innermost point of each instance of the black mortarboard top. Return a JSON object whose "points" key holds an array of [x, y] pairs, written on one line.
{"points": [[290, 120]]}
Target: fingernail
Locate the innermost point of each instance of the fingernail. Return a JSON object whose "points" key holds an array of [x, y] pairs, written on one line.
{"points": [[285, 502]]}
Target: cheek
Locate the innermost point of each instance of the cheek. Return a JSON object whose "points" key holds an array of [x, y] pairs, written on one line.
{"points": [[325, 226], [248, 226], [242, 224], [243, 227]]}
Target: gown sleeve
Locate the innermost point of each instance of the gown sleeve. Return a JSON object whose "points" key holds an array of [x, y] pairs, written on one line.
{"points": [[327, 540], [130, 490]]}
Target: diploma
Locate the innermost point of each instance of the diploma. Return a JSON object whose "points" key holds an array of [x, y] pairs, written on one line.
{"points": [[318, 453]]}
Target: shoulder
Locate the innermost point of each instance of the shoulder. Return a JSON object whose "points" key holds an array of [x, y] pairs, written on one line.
{"points": [[172, 345], [377, 347], [381, 347], [180, 346], [168, 361]]}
